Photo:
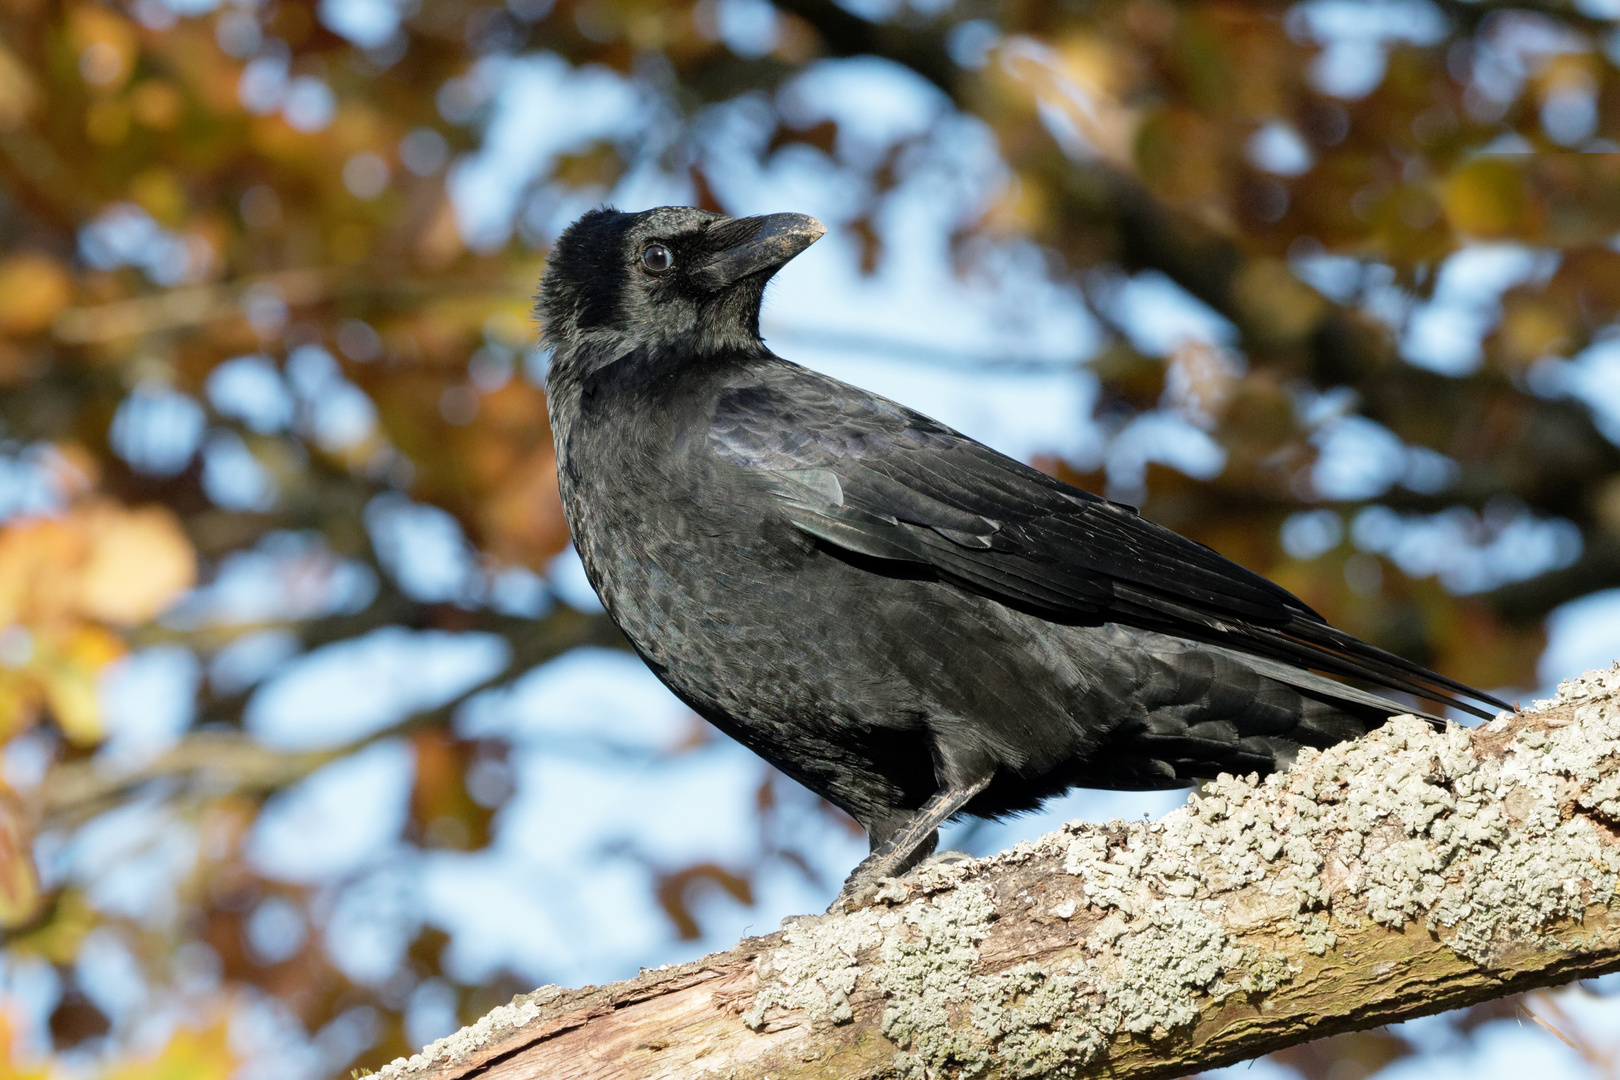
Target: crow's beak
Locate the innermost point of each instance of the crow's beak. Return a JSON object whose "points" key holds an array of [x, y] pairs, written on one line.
{"points": [[751, 245]]}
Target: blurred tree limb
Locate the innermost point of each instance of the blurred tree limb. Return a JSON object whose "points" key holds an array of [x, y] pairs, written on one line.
{"points": [[1406, 873], [195, 306], [213, 763]]}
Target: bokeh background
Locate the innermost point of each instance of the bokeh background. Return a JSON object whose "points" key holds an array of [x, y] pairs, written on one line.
{"points": [[316, 742]]}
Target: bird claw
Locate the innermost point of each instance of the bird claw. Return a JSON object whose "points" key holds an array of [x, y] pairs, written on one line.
{"points": [[854, 897], [861, 892]]}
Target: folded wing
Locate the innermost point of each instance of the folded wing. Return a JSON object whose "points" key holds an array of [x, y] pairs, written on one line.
{"points": [[871, 478]]}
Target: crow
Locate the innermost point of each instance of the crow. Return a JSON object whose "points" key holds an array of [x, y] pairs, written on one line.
{"points": [[905, 621]]}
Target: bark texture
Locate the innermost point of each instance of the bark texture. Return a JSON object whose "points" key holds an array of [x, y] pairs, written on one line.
{"points": [[1405, 873]]}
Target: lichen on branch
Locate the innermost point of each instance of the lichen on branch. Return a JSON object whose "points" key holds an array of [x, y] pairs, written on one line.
{"points": [[1406, 872]]}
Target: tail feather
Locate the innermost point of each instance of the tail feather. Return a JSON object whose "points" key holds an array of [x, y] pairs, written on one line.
{"points": [[1331, 689], [1207, 709], [1305, 643]]}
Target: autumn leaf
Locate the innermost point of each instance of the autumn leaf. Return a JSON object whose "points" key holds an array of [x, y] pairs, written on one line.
{"points": [[1488, 198], [39, 562], [105, 45], [19, 881], [18, 94], [60, 933], [69, 668], [33, 286], [98, 561], [20, 696], [139, 562], [189, 1055]]}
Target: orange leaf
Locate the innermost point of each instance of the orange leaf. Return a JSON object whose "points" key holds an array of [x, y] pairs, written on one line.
{"points": [[33, 288], [105, 43], [522, 518], [38, 564], [140, 562], [18, 94], [19, 882], [19, 703], [99, 560]]}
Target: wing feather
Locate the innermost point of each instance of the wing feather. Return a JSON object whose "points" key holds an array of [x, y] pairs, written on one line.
{"points": [[872, 478]]}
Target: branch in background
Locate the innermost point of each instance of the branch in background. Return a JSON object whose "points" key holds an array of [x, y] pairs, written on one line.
{"points": [[173, 309], [1525, 602], [190, 307], [214, 762], [1406, 873]]}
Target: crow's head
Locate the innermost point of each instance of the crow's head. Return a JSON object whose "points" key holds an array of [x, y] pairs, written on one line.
{"points": [[673, 276]]}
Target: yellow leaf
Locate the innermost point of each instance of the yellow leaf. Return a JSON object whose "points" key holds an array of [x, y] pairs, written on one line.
{"points": [[105, 45], [107, 121], [1531, 329], [19, 882], [1487, 197], [70, 691], [62, 934], [18, 94], [190, 1055], [89, 647], [158, 191], [140, 562], [19, 703], [69, 669], [1284, 308], [33, 288], [157, 103]]}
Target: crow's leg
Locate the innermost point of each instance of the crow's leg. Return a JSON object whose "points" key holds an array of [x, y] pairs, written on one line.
{"points": [[905, 847]]}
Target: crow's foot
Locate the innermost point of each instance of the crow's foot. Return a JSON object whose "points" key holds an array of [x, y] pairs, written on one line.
{"points": [[862, 890]]}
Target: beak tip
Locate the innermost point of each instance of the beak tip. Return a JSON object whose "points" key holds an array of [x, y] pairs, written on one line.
{"points": [[766, 243]]}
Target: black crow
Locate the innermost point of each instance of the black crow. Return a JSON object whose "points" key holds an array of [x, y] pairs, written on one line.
{"points": [[902, 619]]}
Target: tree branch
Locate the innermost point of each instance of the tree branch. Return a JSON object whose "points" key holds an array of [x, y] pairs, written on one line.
{"points": [[1406, 873], [216, 762]]}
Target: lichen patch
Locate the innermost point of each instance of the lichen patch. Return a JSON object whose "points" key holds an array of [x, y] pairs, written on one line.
{"points": [[1476, 840], [816, 966], [1039, 961], [459, 1046]]}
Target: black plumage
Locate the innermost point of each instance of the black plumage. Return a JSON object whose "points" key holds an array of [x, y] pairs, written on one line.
{"points": [[904, 620]]}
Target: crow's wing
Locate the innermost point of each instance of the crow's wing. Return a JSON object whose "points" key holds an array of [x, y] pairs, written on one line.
{"points": [[872, 478]]}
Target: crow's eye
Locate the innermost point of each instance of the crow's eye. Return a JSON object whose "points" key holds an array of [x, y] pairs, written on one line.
{"points": [[657, 258]]}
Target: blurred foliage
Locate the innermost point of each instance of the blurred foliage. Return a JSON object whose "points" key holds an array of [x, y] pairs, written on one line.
{"points": [[189, 201]]}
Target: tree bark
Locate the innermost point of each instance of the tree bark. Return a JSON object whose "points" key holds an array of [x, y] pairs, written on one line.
{"points": [[1406, 873]]}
